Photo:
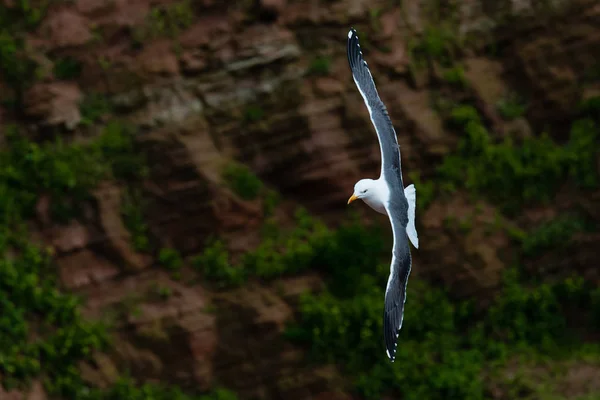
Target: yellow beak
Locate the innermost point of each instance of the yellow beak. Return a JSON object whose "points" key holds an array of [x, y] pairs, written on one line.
{"points": [[352, 198]]}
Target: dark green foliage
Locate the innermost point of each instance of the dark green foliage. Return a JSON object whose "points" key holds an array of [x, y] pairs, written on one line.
{"points": [[67, 68], [23, 15], [127, 165], [271, 200], [284, 253], [320, 65], [280, 253], [309, 245], [461, 115], [444, 345], [93, 107], [170, 259], [511, 107], [17, 68], [45, 334], [160, 292], [117, 146], [165, 21], [430, 361], [67, 172], [554, 234], [538, 316], [581, 153], [125, 389], [253, 113], [592, 74], [42, 332], [522, 316], [214, 265], [455, 76], [242, 181], [591, 107], [133, 218], [516, 174], [437, 43]]}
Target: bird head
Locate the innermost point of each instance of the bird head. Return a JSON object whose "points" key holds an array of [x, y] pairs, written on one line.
{"points": [[362, 189]]}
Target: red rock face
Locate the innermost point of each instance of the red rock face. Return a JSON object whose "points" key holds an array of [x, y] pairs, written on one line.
{"points": [[55, 103], [193, 97], [66, 28]]}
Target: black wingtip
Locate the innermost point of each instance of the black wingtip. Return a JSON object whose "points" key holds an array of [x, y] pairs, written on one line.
{"points": [[354, 52], [391, 346], [390, 333]]}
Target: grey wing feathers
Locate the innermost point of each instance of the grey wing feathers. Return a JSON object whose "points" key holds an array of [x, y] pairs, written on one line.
{"points": [[395, 294], [361, 74]]}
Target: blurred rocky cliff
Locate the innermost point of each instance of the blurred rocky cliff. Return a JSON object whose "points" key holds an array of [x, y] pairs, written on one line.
{"points": [[266, 84]]}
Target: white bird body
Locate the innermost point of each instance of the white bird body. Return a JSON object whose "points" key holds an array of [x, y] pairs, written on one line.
{"points": [[386, 195]]}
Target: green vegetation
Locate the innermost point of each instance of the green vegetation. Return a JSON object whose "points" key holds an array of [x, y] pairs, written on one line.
{"points": [[320, 66], [455, 76], [17, 68], [552, 235], [443, 345], [591, 107], [125, 389], [511, 107], [248, 186], [271, 200], [67, 68], [42, 332], [93, 107], [280, 253], [170, 259], [253, 113], [66, 172], [133, 217], [242, 181], [512, 174], [165, 21], [215, 266], [437, 44], [161, 292], [284, 253]]}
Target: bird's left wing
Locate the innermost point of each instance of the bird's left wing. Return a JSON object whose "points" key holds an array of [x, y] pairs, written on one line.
{"points": [[388, 143], [395, 292]]}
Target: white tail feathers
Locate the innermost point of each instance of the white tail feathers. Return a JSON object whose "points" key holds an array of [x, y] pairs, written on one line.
{"points": [[411, 195]]}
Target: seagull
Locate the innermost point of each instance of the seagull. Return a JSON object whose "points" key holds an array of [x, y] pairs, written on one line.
{"points": [[386, 195]]}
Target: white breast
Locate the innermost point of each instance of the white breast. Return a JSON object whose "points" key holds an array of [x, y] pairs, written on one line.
{"points": [[380, 196], [375, 204]]}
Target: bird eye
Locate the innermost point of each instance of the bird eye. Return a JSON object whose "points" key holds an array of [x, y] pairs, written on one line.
{"points": [[364, 191]]}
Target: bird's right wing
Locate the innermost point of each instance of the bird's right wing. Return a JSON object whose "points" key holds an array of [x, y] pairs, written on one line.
{"points": [[395, 292], [388, 143]]}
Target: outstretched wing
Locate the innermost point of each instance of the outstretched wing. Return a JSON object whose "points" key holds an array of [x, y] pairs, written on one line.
{"points": [[395, 292], [388, 143]]}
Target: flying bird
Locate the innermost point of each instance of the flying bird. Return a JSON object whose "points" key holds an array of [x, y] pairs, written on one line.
{"points": [[386, 195]]}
